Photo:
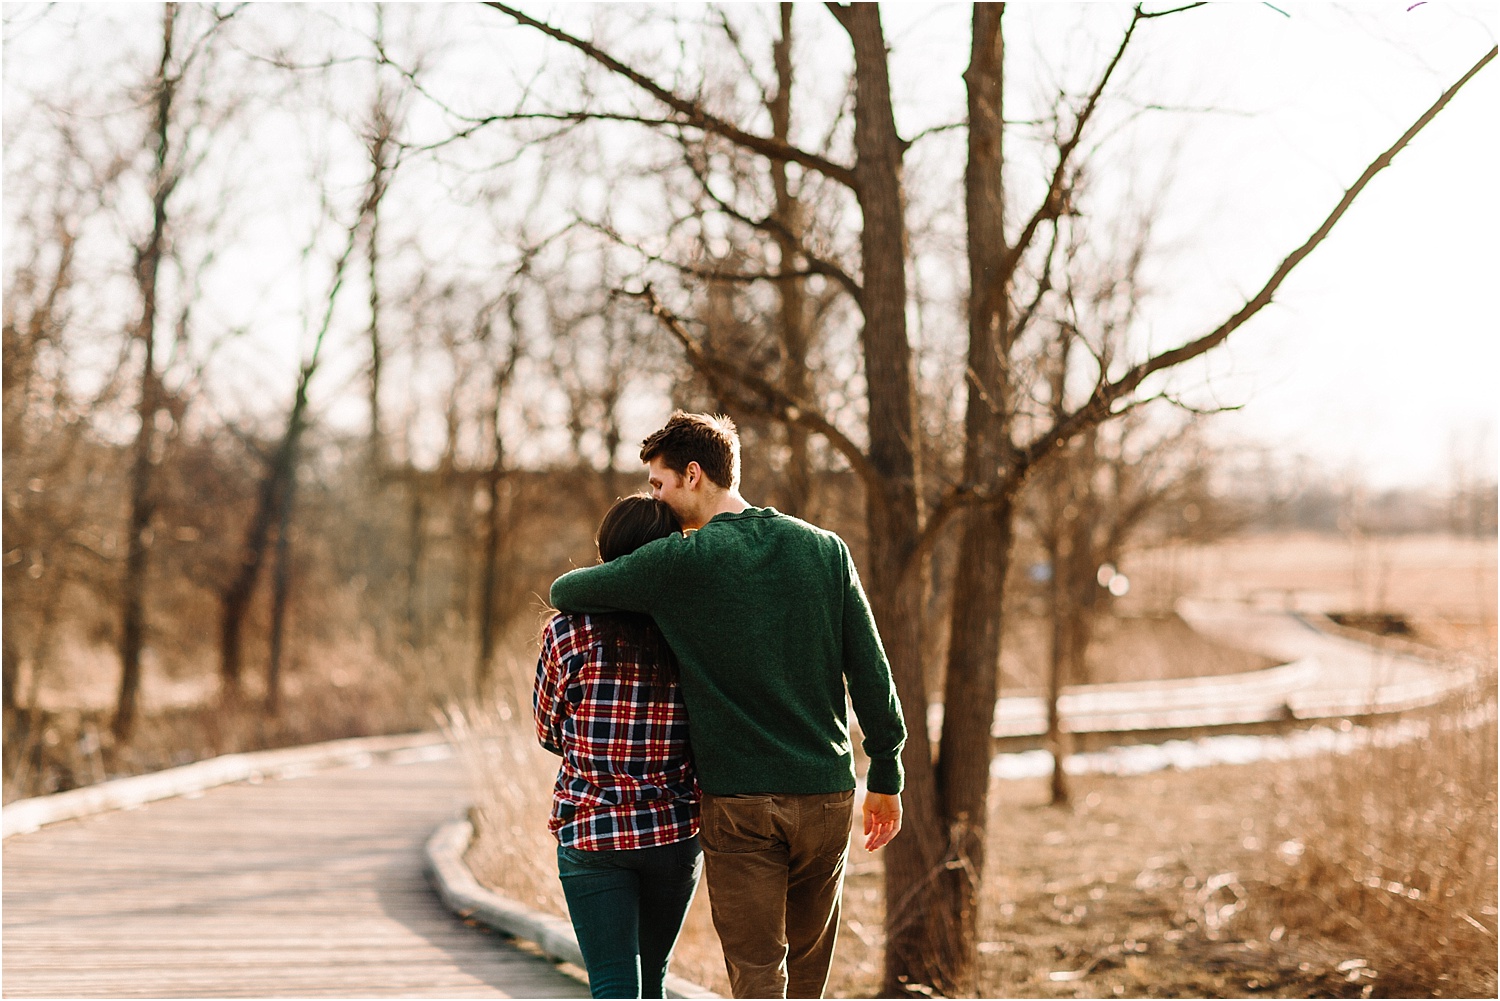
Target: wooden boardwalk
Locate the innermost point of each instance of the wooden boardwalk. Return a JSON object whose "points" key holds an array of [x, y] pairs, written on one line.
{"points": [[1322, 677], [305, 887]]}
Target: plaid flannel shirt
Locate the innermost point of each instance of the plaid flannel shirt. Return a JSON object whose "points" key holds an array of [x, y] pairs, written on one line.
{"points": [[627, 778]]}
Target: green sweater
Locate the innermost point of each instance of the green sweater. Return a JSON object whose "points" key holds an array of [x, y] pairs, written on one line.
{"points": [[768, 621]]}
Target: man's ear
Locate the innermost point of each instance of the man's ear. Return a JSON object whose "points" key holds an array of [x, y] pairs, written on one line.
{"points": [[693, 474]]}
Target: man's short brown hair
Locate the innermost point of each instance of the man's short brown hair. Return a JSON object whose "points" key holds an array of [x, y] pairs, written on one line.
{"points": [[710, 440]]}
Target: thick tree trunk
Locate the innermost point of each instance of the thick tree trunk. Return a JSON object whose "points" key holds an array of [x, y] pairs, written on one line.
{"points": [[893, 513], [984, 547], [142, 500]]}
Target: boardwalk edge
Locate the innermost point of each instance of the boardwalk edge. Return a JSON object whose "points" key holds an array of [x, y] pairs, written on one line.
{"points": [[26, 815], [466, 897]]}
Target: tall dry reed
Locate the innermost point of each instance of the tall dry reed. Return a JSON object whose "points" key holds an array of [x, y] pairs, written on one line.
{"points": [[1389, 852], [511, 778]]}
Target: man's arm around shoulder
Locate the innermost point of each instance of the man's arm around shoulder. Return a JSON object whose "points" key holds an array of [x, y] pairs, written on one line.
{"points": [[629, 584]]}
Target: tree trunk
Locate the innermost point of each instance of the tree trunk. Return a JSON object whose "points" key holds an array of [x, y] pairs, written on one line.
{"points": [[984, 547], [893, 514], [375, 455], [272, 499], [1060, 601], [379, 150], [483, 669], [280, 587], [10, 673], [415, 516], [142, 499], [791, 290]]}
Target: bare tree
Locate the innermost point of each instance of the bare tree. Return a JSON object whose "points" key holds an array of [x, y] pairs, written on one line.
{"points": [[1002, 449], [503, 371], [1088, 506], [275, 493], [172, 157]]}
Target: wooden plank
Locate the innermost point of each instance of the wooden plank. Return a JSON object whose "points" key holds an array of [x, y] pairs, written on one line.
{"points": [[126, 793], [306, 887]]}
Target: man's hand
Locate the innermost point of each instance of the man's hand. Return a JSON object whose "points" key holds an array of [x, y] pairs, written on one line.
{"points": [[882, 819]]}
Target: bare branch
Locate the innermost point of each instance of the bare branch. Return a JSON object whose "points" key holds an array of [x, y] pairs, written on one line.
{"points": [[746, 63], [1102, 403], [1052, 205], [764, 396], [1180, 404], [568, 117], [956, 498], [693, 114], [705, 273], [1043, 286], [1164, 13], [934, 130], [840, 13], [770, 224]]}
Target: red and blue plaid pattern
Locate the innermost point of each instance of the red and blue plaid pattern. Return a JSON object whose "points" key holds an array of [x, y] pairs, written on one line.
{"points": [[627, 778]]}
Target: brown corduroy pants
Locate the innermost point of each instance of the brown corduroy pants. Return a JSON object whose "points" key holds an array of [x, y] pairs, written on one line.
{"points": [[775, 870]]}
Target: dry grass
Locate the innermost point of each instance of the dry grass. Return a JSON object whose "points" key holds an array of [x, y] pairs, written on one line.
{"points": [[1423, 576], [1391, 853], [65, 741], [1176, 884], [1252, 880], [511, 778], [1135, 648]]}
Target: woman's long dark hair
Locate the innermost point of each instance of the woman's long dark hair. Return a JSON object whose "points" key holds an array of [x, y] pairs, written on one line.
{"points": [[631, 523], [628, 525]]}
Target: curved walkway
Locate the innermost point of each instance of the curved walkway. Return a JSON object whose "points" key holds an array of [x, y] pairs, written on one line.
{"points": [[1322, 676], [299, 887]]}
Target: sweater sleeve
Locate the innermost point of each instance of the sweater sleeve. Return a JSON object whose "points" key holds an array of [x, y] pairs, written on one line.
{"points": [[871, 688], [631, 583]]}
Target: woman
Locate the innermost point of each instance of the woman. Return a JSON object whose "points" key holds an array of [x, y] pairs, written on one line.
{"points": [[625, 807]]}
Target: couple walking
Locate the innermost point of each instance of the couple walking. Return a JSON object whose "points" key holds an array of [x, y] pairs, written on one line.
{"points": [[710, 649]]}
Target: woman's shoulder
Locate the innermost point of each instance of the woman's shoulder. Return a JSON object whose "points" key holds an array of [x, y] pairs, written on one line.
{"points": [[567, 634]]}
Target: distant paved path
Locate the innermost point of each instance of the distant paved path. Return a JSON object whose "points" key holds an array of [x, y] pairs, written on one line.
{"points": [[1321, 676], [1351, 677], [306, 887]]}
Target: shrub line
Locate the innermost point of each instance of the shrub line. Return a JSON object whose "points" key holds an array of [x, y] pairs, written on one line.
{"points": [[25, 815], [466, 897]]}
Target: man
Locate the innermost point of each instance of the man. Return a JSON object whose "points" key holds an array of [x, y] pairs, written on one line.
{"points": [[769, 623]]}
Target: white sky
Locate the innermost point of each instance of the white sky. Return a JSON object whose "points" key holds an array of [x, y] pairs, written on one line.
{"points": [[1380, 354], [1381, 357]]}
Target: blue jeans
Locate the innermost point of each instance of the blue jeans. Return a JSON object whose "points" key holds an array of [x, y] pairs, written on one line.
{"points": [[627, 907]]}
